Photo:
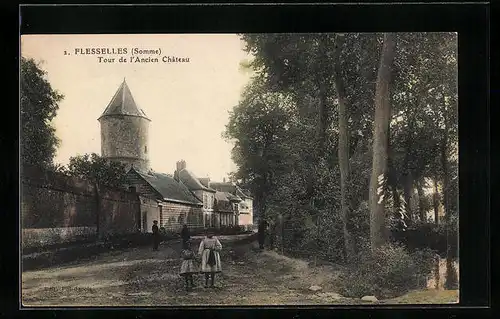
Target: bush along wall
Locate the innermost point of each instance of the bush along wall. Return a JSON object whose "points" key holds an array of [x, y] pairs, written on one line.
{"points": [[69, 252], [224, 230], [430, 236]]}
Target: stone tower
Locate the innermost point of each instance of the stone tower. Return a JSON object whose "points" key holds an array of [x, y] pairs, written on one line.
{"points": [[125, 131]]}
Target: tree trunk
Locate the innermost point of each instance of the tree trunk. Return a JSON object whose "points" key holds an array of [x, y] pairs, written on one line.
{"points": [[99, 228], [421, 198], [435, 201], [396, 200], [408, 188], [343, 151], [451, 277], [321, 79], [378, 230]]}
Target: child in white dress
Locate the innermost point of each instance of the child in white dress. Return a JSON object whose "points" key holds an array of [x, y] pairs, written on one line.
{"points": [[188, 267], [209, 250]]}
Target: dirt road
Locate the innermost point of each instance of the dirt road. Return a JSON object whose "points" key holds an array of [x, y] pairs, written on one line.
{"points": [[142, 277]]}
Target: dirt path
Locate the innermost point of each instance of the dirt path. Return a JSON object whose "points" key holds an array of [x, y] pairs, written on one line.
{"points": [[142, 277]]}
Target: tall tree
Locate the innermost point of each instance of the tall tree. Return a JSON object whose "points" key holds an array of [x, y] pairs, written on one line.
{"points": [[343, 148], [98, 170], [435, 200], [378, 231], [39, 103], [256, 127], [421, 200]]}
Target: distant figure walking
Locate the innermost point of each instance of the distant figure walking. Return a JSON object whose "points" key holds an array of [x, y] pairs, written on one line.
{"points": [[262, 233], [209, 250], [272, 234], [156, 235], [188, 267], [185, 235]]}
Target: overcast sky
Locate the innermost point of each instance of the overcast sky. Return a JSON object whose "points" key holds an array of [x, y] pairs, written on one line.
{"points": [[188, 103]]}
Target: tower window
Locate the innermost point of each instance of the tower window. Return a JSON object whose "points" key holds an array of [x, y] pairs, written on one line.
{"points": [[145, 149]]}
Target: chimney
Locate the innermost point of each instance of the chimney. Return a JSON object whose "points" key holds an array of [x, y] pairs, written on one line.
{"points": [[223, 179], [180, 166]]}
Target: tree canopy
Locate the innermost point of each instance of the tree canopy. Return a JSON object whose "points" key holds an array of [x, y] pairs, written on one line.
{"points": [[39, 103], [97, 169], [304, 128]]}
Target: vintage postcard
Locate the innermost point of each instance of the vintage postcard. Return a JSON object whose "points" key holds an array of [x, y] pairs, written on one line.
{"points": [[239, 169]]}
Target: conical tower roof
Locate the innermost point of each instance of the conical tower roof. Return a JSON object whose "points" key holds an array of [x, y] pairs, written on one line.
{"points": [[123, 103]]}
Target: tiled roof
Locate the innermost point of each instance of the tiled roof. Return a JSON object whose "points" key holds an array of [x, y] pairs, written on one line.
{"points": [[223, 187], [234, 197], [204, 181], [123, 103], [192, 181], [230, 188], [242, 193], [221, 196], [223, 201], [225, 196], [169, 188]]}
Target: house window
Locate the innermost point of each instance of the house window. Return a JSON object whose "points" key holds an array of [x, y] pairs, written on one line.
{"points": [[204, 201], [145, 149]]}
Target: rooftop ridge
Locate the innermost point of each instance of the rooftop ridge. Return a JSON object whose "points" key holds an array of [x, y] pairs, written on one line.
{"points": [[123, 103]]}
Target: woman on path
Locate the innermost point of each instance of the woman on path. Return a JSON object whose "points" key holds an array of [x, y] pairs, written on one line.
{"points": [[209, 250], [188, 267]]}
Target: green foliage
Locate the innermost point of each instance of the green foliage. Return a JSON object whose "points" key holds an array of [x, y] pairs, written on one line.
{"points": [[98, 170], [388, 272], [291, 176], [39, 103], [425, 235]]}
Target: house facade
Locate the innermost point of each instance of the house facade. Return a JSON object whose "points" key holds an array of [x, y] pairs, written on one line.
{"points": [[226, 206], [203, 193], [166, 200], [242, 202]]}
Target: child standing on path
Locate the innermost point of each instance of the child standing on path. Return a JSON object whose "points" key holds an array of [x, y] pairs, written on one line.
{"points": [[188, 268], [209, 250]]}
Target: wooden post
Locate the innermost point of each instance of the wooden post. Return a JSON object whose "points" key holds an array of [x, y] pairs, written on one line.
{"points": [[97, 211], [317, 242], [282, 234]]}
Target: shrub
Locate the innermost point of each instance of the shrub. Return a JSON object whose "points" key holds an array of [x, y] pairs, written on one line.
{"points": [[170, 234], [422, 235], [391, 271]]}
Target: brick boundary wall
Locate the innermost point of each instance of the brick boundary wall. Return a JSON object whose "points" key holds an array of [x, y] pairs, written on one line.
{"points": [[56, 208]]}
